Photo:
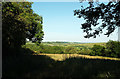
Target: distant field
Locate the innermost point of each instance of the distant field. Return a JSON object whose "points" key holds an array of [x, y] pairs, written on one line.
{"points": [[72, 44], [62, 47]]}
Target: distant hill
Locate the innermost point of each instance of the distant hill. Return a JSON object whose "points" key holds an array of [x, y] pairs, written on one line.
{"points": [[71, 42]]}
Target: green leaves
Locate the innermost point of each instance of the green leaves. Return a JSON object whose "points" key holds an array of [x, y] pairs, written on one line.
{"points": [[112, 49], [97, 50], [108, 13], [20, 22]]}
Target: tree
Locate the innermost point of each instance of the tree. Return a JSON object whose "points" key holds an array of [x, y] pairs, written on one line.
{"points": [[98, 50], [18, 23], [109, 14], [113, 48]]}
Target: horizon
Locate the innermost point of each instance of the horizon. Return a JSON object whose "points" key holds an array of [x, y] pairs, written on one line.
{"points": [[73, 42]]}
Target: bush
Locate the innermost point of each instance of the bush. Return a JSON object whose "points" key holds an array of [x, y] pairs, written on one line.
{"points": [[51, 49], [84, 51], [113, 48], [70, 50], [97, 50]]}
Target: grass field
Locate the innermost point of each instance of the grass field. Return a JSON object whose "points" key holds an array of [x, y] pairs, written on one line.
{"points": [[64, 66], [36, 65], [72, 44], [46, 66], [61, 57]]}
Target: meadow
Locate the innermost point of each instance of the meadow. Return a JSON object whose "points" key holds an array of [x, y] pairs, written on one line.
{"points": [[62, 47], [108, 49], [31, 63], [44, 66], [62, 57]]}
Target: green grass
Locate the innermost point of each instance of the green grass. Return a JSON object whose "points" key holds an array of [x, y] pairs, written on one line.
{"points": [[41, 66], [29, 65], [65, 66], [62, 57]]}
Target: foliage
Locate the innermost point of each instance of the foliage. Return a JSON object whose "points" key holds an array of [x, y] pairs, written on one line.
{"points": [[113, 48], [70, 50], [19, 22], [45, 48], [108, 14], [97, 50], [84, 51], [51, 48], [110, 49]]}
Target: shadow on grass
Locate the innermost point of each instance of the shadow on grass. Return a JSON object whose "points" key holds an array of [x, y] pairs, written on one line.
{"points": [[40, 67]]}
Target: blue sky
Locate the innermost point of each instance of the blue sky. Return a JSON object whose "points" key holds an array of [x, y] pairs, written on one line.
{"points": [[60, 24], [65, 0]]}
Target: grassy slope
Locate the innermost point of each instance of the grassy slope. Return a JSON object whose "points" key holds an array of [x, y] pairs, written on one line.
{"points": [[43, 66]]}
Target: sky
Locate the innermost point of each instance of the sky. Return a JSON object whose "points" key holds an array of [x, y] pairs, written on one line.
{"points": [[60, 24], [66, 0]]}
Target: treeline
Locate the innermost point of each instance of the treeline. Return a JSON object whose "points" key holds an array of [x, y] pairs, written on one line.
{"points": [[111, 49], [57, 49], [64, 42], [60, 42]]}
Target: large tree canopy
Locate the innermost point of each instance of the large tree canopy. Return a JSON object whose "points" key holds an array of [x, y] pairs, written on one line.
{"points": [[18, 23], [97, 18]]}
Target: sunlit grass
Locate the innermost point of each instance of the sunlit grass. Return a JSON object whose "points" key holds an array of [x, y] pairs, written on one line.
{"points": [[61, 57], [64, 66]]}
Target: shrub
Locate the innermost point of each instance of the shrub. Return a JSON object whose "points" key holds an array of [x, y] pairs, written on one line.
{"points": [[70, 50], [113, 48], [97, 50], [51, 49], [84, 51]]}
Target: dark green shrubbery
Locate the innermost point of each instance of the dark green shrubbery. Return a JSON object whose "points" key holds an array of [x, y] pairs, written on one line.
{"points": [[112, 49], [98, 50], [70, 50], [51, 49]]}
